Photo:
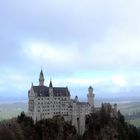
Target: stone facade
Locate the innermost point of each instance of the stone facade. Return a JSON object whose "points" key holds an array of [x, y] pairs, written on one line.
{"points": [[48, 101]]}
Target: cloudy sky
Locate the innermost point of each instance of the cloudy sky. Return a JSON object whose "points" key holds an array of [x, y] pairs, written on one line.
{"points": [[77, 42]]}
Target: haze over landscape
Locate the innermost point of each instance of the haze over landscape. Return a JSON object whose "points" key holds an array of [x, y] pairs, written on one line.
{"points": [[78, 43]]}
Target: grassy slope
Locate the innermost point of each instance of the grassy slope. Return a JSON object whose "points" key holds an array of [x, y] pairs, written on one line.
{"points": [[135, 122], [129, 108]]}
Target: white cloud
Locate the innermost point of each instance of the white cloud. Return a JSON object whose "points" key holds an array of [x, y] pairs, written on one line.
{"points": [[107, 36], [57, 54], [119, 80], [80, 82], [117, 50], [13, 81]]}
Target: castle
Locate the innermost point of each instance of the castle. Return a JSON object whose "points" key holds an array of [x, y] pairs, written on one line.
{"points": [[48, 101]]}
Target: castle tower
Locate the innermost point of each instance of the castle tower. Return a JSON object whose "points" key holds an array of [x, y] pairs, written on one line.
{"points": [[76, 98], [51, 88], [41, 78], [50, 85], [90, 97], [51, 98]]}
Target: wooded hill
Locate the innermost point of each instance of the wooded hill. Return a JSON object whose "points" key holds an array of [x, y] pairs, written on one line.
{"points": [[99, 126]]}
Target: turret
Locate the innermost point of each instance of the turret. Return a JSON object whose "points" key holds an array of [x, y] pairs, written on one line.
{"points": [[41, 78], [51, 88], [50, 85], [90, 97], [31, 92], [76, 98]]}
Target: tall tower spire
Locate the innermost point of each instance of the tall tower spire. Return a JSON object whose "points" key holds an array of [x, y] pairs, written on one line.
{"points": [[51, 88], [41, 78], [50, 85], [90, 96]]}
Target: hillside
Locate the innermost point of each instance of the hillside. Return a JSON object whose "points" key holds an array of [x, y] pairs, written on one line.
{"points": [[99, 126], [23, 128], [131, 111], [102, 126]]}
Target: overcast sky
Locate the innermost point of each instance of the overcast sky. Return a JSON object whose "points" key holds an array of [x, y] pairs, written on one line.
{"points": [[77, 42]]}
